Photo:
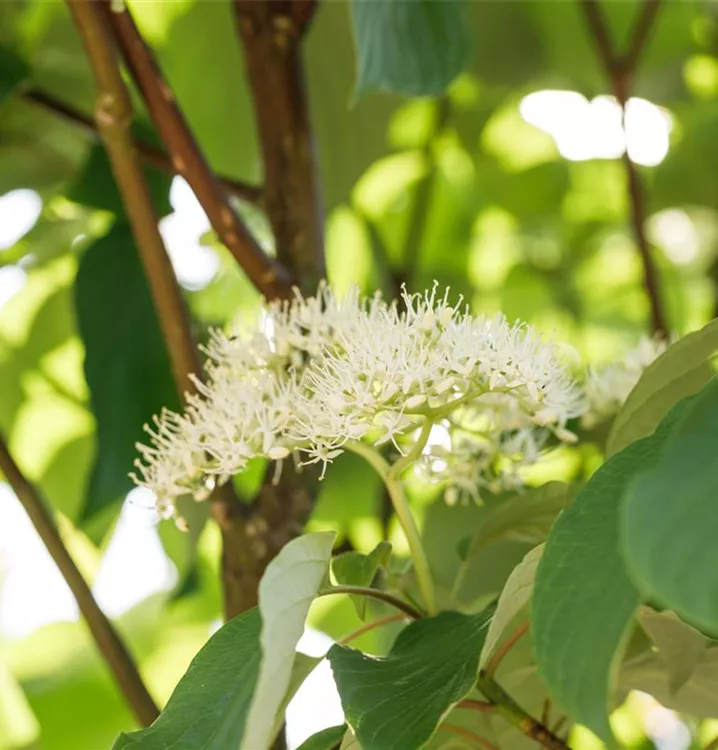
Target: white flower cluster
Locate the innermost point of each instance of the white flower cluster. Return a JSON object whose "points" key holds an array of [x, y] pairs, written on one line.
{"points": [[320, 373], [607, 387]]}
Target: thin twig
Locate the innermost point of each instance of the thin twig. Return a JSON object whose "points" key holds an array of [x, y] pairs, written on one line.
{"points": [[113, 650], [270, 278], [506, 646], [372, 626], [641, 33], [621, 71], [272, 34], [114, 116], [713, 744], [516, 715], [474, 705], [469, 735], [382, 596], [149, 154]]}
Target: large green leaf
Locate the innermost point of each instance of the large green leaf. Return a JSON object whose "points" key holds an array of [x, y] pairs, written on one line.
{"points": [[524, 517], [96, 186], [516, 594], [681, 370], [287, 589], [411, 47], [583, 599], [670, 521], [126, 363], [398, 701], [209, 707]]}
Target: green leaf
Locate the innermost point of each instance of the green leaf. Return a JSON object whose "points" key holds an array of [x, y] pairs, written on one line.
{"points": [[670, 522], [524, 517], [328, 739], [126, 363], [683, 369], [516, 594], [584, 600], [437, 656], [410, 47], [287, 589], [209, 707], [13, 71], [680, 646], [19, 728], [96, 186], [357, 569]]}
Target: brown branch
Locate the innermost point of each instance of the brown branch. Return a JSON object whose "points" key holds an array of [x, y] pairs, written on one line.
{"points": [[108, 641], [268, 276], [516, 715], [113, 115], [621, 71], [154, 157], [713, 744], [506, 646], [271, 33], [468, 735]]}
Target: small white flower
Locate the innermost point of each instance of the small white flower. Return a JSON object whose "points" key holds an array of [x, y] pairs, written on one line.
{"points": [[311, 374], [607, 387]]}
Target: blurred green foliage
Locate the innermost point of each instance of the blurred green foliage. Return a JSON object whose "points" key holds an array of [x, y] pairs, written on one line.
{"points": [[460, 189]]}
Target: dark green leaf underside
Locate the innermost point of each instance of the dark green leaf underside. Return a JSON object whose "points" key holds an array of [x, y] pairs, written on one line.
{"points": [[398, 701]]}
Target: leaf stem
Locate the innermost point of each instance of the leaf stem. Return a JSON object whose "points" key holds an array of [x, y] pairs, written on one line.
{"points": [[406, 519], [405, 461], [516, 715], [108, 641], [372, 626], [506, 646], [383, 596]]}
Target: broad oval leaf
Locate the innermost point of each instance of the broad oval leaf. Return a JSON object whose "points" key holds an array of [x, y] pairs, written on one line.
{"points": [[410, 47], [208, 709], [669, 524], [126, 362], [398, 701], [289, 586], [683, 369], [584, 600], [524, 517], [516, 593]]}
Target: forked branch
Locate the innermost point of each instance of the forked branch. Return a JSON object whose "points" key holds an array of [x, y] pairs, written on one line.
{"points": [[621, 70], [270, 278], [154, 157]]}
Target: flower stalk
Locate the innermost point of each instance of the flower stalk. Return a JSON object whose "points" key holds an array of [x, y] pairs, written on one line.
{"points": [[406, 519]]}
